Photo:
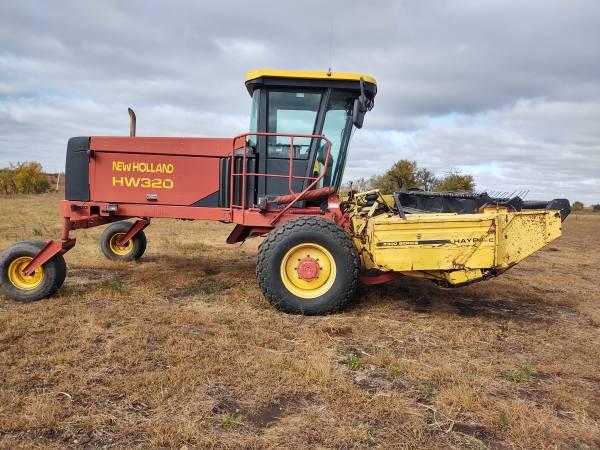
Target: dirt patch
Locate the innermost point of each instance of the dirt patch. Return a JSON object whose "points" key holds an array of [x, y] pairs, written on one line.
{"points": [[338, 331], [88, 276], [201, 287], [268, 415], [224, 400], [473, 436], [478, 431]]}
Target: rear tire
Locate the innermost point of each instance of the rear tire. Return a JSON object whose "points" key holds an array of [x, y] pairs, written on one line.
{"points": [[44, 282], [308, 266], [109, 243]]}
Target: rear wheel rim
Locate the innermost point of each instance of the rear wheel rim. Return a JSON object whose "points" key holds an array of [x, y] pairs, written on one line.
{"points": [[21, 281], [117, 248], [297, 272]]}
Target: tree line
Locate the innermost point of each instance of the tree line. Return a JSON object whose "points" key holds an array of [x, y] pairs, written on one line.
{"points": [[579, 206], [406, 174], [23, 178]]}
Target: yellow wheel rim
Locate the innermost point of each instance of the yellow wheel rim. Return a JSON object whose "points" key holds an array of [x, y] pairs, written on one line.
{"points": [[308, 270], [19, 279], [117, 248]]}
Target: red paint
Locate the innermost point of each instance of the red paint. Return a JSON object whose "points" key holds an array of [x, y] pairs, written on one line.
{"points": [[131, 177], [308, 269], [238, 234], [179, 172], [138, 226], [213, 147], [377, 279], [311, 195], [299, 196], [253, 217], [50, 249], [78, 222], [241, 232]]}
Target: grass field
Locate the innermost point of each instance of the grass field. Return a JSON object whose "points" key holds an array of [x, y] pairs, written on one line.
{"points": [[181, 350]]}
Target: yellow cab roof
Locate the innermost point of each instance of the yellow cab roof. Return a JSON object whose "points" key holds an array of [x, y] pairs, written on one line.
{"points": [[308, 74]]}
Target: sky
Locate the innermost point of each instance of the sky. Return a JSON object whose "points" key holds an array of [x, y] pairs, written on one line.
{"points": [[507, 91]]}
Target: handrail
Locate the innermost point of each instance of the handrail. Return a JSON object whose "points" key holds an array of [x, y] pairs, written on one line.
{"points": [[290, 176]]}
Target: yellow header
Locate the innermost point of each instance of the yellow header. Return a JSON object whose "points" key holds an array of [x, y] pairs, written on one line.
{"points": [[310, 74]]}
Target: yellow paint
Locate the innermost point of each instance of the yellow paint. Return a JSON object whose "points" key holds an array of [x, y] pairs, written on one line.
{"points": [[117, 248], [308, 74], [142, 182], [135, 182], [521, 234], [434, 243], [455, 248], [308, 289], [19, 279], [145, 167]]}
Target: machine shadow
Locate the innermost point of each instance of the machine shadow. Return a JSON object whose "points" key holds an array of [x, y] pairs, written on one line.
{"points": [[404, 293], [209, 263], [422, 296]]}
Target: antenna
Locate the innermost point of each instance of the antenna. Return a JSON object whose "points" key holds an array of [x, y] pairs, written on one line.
{"points": [[330, 45]]}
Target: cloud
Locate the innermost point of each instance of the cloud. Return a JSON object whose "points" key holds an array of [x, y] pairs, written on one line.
{"points": [[539, 146], [509, 92]]}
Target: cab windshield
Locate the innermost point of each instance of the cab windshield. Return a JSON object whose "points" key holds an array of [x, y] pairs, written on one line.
{"points": [[297, 112], [291, 112], [300, 111], [337, 127]]}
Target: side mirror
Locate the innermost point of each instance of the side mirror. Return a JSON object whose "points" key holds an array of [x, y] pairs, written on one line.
{"points": [[361, 105], [358, 112]]}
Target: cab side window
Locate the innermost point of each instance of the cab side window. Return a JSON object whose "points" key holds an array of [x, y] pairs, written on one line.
{"points": [[291, 113]]}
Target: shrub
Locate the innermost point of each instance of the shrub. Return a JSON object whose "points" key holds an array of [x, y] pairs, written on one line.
{"points": [[23, 178], [521, 374], [7, 181], [30, 179], [577, 206], [231, 420], [457, 182], [354, 362], [406, 174]]}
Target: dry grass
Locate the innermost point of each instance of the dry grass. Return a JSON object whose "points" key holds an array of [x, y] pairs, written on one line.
{"points": [[182, 350]]}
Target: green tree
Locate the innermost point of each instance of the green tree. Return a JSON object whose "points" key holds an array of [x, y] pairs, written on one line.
{"points": [[400, 177], [7, 181], [426, 179], [29, 178], [455, 181], [405, 174], [596, 208], [577, 206], [382, 182]]}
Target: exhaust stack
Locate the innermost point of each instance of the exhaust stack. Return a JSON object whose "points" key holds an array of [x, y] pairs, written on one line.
{"points": [[132, 122]]}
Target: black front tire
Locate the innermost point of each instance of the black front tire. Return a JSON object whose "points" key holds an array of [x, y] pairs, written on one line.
{"points": [[312, 231], [134, 249], [22, 288]]}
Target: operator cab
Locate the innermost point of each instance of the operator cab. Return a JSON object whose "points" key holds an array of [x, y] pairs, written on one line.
{"points": [[308, 103]]}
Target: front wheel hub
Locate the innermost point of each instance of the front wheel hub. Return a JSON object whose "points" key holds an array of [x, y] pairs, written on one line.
{"points": [[308, 268], [118, 248]]}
